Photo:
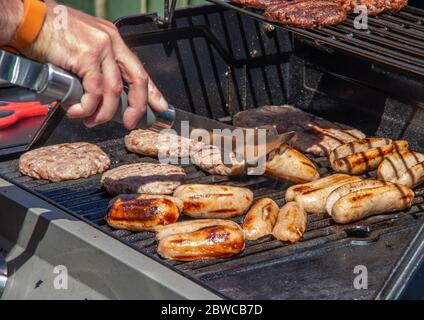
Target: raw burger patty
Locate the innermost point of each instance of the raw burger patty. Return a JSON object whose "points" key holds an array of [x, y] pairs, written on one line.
{"points": [[68, 161], [147, 178], [149, 143]]}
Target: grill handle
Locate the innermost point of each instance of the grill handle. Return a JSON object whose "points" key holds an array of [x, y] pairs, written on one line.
{"points": [[61, 85]]}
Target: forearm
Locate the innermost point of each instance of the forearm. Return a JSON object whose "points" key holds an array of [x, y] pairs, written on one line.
{"points": [[11, 12]]}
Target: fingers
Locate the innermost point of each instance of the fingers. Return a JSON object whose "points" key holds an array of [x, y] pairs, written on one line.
{"points": [[93, 88], [156, 100], [112, 88], [142, 90]]}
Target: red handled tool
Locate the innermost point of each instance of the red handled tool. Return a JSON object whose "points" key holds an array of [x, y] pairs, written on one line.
{"points": [[13, 112]]}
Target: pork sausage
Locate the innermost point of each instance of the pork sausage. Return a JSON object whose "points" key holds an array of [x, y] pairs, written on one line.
{"points": [[356, 146], [314, 200], [142, 213], [214, 201], [260, 219], [348, 188], [361, 162], [291, 223], [367, 202], [413, 177], [212, 241], [402, 168], [292, 165], [293, 191]]}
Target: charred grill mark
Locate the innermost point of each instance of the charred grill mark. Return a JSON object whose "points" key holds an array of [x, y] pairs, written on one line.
{"points": [[193, 206], [309, 165], [361, 197], [137, 210], [229, 210]]}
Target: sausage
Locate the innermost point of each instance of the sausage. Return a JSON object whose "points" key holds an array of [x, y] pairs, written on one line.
{"points": [[361, 162], [367, 202], [348, 188], [313, 200], [143, 212], [413, 177], [398, 167], [361, 145], [214, 201], [260, 219], [199, 240], [291, 223], [292, 165], [188, 226], [293, 191]]}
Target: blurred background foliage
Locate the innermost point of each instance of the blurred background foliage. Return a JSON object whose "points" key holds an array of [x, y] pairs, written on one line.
{"points": [[112, 9]]}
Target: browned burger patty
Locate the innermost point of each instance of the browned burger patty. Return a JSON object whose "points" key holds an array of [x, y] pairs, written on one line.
{"points": [[69, 161], [259, 4], [147, 178], [374, 7], [306, 13]]}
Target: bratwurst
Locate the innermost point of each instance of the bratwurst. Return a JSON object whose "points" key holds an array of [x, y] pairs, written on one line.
{"points": [[369, 200], [290, 164], [364, 155], [405, 168], [291, 223], [200, 239], [260, 219], [312, 196], [143, 212], [214, 201]]}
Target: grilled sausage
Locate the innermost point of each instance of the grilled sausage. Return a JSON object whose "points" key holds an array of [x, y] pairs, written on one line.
{"points": [[292, 165], [363, 161], [293, 191], [214, 201], [199, 240], [356, 146], [313, 199], [349, 188], [413, 177], [291, 223], [260, 219], [143, 212], [367, 202], [403, 167]]}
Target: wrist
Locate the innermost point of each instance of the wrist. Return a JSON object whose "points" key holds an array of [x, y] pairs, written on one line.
{"points": [[10, 19]]}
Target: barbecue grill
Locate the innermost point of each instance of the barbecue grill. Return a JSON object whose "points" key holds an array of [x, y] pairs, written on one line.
{"points": [[215, 60]]}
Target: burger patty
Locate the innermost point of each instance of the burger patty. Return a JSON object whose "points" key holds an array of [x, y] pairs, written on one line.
{"points": [[259, 4], [62, 162], [374, 7], [306, 13], [152, 144], [145, 178], [205, 156]]}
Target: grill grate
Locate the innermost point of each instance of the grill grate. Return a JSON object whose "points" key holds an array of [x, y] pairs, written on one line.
{"points": [[395, 39], [87, 201]]}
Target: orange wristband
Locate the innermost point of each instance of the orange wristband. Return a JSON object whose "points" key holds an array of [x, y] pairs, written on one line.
{"points": [[30, 26]]}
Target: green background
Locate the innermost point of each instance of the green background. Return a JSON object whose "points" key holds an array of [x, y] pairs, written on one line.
{"points": [[119, 8]]}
